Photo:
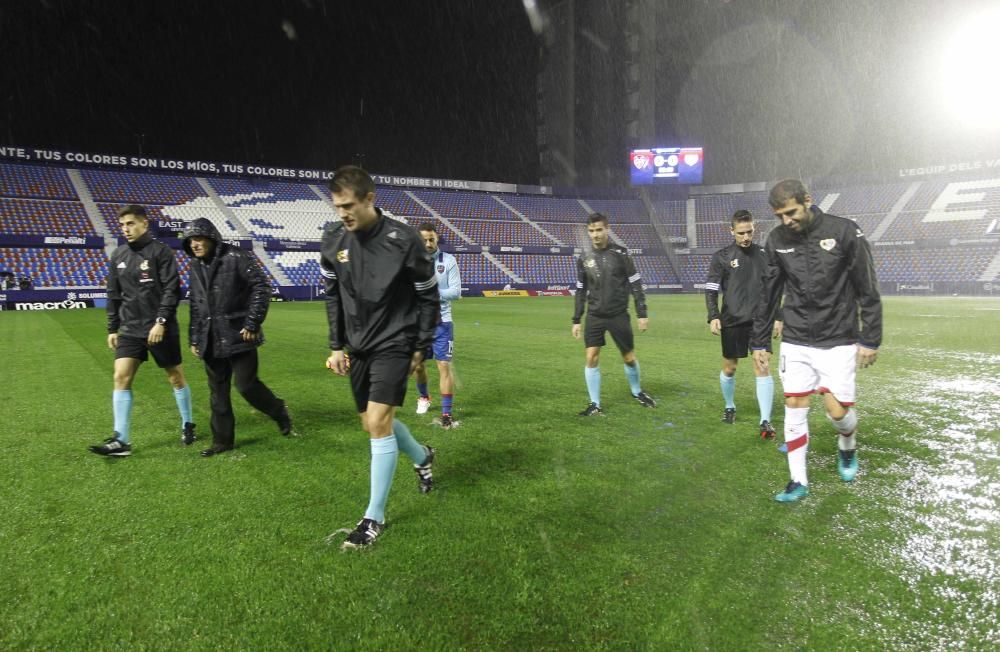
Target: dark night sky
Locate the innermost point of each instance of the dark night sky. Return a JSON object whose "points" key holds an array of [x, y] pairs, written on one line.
{"points": [[448, 92], [448, 88]]}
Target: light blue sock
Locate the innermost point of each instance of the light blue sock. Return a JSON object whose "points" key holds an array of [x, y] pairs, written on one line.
{"points": [[593, 378], [632, 373], [384, 456], [728, 385], [183, 398], [765, 396], [406, 443], [121, 403]]}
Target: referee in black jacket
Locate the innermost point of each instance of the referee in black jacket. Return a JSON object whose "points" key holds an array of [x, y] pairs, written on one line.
{"points": [[382, 307], [143, 290], [605, 277], [737, 271]]}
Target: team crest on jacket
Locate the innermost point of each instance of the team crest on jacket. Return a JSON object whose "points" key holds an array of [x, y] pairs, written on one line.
{"points": [[144, 265], [734, 263], [440, 269], [828, 244], [590, 262], [342, 256]]}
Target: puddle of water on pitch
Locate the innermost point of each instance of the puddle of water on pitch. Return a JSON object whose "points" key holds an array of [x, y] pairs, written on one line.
{"points": [[944, 509]]}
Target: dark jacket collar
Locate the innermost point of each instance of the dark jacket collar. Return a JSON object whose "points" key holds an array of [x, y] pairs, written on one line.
{"points": [[141, 241]]}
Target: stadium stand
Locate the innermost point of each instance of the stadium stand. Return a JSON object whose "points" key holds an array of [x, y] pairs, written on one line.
{"points": [[672, 215], [302, 219], [570, 235], [480, 206], [35, 182], [275, 209], [541, 269], [399, 203], [637, 236], [49, 268], [656, 269], [477, 269], [931, 265], [44, 217], [547, 209], [139, 188], [620, 211], [859, 200], [694, 268], [496, 232], [302, 267], [923, 243]]}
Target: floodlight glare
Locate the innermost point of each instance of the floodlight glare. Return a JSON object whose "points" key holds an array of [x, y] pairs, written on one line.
{"points": [[968, 68]]}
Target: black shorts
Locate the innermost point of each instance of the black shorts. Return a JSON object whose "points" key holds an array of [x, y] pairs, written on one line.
{"points": [[620, 327], [380, 376], [736, 341], [166, 354]]}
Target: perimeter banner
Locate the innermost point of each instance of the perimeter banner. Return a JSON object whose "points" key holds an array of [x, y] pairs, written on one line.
{"points": [[65, 158]]}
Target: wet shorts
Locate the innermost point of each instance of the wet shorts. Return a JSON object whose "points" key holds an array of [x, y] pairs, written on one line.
{"points": [[166, 354], [620, 327], [807, 370], [736, 341], [380, 377]]}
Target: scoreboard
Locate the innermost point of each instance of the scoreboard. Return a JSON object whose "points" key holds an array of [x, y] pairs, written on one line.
{"points": [[666, 165]]}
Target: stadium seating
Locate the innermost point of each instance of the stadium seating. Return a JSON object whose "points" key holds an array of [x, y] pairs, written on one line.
{"points": [[141, 188], [655, 269], [893, 264], [302, 219], [570, 235], [620, 211], [235, 191], [673, 216], [474, 205], [547, 209], [39, 201], [301, 267], [861, 199], [397, 202], [44, 217], [35, 181], [477, 269], [496, 232], [637, 236], [541, 269], [694, 268], [56, 267]]}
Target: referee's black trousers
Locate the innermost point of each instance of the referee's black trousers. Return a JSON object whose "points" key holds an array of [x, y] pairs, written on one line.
{"points": [[221, 372]]}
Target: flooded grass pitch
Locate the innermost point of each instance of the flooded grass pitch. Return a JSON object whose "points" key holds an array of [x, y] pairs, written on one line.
{"points": [[938, 486]]}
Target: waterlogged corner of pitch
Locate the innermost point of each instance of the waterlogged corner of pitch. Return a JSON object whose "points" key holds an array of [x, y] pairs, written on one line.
{"points": [[941, 495]]}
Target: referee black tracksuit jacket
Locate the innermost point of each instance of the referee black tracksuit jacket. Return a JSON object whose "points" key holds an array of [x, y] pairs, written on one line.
{"points": [[143, 284], [827, 277], [738, 273], [602, 278], [381, 289]]}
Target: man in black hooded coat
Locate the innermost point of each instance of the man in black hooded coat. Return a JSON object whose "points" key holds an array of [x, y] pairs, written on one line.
{"points": [[230, 296]]}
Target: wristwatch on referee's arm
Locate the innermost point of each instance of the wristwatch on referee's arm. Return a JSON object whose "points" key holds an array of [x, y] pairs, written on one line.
{"points": [[161, 321]]}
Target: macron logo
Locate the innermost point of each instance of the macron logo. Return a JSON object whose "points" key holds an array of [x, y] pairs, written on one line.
{"points": [[785, 251], [121, 265]]}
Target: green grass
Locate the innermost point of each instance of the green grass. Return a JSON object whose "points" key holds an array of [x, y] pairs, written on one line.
{"points": [[647, 529]]}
